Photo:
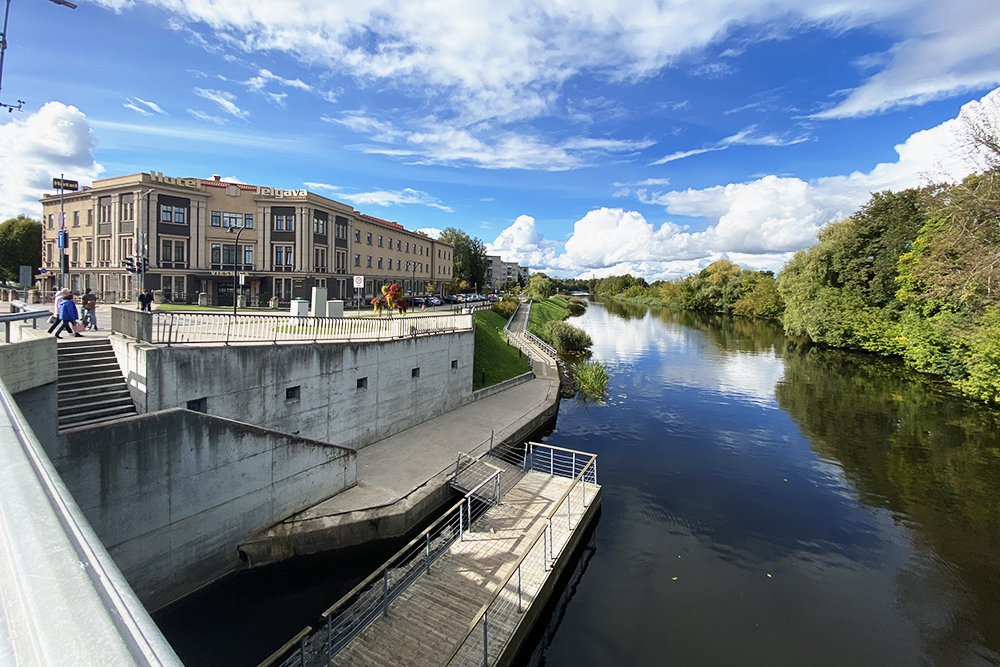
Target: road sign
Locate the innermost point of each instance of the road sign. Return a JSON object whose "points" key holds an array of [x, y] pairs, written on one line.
{"points": [[359, 282], [25, 276], [64, 184]]}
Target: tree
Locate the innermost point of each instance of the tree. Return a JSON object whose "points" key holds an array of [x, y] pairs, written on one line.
{"points": [[468, 256], [980, 132], [540, 286], [20, 244]]}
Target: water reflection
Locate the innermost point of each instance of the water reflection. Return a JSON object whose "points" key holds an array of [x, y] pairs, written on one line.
{"points": [[764, 505]]}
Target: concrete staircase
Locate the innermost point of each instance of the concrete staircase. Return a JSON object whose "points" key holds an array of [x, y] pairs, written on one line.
{"points": [[91, 386]]}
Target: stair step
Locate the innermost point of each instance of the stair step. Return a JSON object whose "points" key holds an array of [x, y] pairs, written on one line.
{"points": [[92, 390], [91, 375], [78, 355], [92, 421], [85, 402], [83, 369], [102, 381], [94, 416]]}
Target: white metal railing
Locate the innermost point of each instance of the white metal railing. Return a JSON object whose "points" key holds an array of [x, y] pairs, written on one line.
{"points": [[491, 628], [175, 328], [545, 347], [370, 599], [21, 312]]}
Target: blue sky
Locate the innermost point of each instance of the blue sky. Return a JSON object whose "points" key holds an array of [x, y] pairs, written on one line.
{"points": [[581, 138]]}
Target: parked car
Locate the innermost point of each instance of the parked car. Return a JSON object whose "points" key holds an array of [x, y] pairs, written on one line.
{"points": [[433, 301], [451, 299]]}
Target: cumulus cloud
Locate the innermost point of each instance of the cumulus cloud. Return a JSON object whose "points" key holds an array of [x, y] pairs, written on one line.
{"points": [[432, 232], [758, 224], [56, 139]]}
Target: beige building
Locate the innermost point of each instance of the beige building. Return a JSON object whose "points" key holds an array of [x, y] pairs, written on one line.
{"points": [[196, 232]]}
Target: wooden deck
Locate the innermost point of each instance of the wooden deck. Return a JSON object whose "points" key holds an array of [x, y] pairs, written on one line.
{"points": [[425, 624]]}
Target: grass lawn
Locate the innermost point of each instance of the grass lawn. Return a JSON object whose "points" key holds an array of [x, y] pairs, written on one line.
{"points": [[556, 308], [499, 360]]}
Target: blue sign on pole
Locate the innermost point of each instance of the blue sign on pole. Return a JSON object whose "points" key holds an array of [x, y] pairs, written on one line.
{"points": [[62, 239]]}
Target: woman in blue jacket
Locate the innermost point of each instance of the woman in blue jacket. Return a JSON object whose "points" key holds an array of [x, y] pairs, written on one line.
{"points": [[68, 315]]}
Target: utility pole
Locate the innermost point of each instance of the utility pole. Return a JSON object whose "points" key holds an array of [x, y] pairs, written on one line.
{"points": [[3, 49]]}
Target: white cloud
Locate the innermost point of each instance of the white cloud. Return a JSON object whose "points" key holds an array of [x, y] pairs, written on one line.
{"points": [[225, 100], [146, 108], [482, 65], [758, 224], [432, 232], [201, 115], [54, 140], [524, 244], [383, 197], [442, 143], [264, 76], [748, 136]]}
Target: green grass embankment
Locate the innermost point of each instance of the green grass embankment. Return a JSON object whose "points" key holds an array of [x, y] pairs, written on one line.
{"points": [[492, 354]]}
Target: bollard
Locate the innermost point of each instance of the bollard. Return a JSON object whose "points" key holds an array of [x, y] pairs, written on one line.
{"points": [[484, 376]]}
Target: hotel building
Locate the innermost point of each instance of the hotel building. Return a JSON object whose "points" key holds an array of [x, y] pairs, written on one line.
{"points": [[197, 232]]}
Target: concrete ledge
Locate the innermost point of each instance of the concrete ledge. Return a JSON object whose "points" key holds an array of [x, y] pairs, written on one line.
{"points": [[31, 362]]}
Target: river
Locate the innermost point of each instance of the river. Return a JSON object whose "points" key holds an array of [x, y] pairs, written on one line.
{"points": [[763, 505]]}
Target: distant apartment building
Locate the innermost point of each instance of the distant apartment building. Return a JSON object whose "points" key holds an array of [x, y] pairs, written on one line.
{"points": [[499, 272], [197, 232]]}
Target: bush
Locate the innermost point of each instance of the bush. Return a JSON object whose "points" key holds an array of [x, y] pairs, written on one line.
{"points": [[506, 307], [566, 337], [576, 305]]}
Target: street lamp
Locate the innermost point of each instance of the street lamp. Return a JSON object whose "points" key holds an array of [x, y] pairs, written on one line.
{"points": [[236, 262], [3, 48], [142, 236], [413, 278]]}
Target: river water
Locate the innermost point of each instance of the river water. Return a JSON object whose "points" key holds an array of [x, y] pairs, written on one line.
{"points": [[768, 505], [763, 505]]}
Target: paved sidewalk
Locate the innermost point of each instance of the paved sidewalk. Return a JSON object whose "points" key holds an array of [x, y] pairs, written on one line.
{"points": [[391, 469]]}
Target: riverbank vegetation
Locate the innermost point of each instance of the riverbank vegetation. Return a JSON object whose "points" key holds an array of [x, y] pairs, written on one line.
{"points": [[546, 322], [721, 287], [591, 379], [493, 359]]}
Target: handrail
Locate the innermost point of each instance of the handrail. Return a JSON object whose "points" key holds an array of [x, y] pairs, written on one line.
{"points": [[499, 589], [548, 349], [286, 646], [132, 623]]}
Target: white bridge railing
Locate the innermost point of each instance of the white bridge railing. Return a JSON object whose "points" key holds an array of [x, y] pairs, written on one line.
{"points": [[179, 328]]}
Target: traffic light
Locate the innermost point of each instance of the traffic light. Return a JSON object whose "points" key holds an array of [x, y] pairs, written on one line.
{"points": [[141, 264], [129, 264]]}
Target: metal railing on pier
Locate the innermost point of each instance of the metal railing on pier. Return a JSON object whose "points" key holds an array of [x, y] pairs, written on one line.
{"points": [[179, 328], [489, 632], [370, 599]]}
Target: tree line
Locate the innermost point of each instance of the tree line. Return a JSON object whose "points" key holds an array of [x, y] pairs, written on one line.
{"points": [[912, 274]]}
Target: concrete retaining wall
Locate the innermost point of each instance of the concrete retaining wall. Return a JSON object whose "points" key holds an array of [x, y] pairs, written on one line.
{"points": [[172, 493], [308, 389], [29, 367]]}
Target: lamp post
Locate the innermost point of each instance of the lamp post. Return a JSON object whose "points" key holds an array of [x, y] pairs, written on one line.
{"points": [[413, 278], [3, 48], [142, 237], [236, 263]]}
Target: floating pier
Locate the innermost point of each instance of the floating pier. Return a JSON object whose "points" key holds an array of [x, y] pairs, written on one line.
{"points": [[467, 590]]}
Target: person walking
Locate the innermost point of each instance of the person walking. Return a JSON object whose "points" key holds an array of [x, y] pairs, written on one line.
{"points": [[60, 295], [68, 315], [89, 303], [145, 299]]}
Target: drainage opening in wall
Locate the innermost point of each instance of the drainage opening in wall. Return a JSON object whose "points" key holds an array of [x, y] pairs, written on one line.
{"points": [[362, 383], [198, 405]]}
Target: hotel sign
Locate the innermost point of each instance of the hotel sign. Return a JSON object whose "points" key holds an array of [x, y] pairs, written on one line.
{"points": [[158, 177], [280, 194], [64, 184]]}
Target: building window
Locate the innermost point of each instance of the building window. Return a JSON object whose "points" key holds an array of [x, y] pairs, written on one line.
{"points": [[283, 256], [75, 253], [357, 235], [216, 253], [248, 220], [90, 217], [284, 222], [357, 260], [369, 238], [90, 252], [166, 213], [398, 245], [216, 218], [369, 265], [380, 262], [179, 216], [248, 255], [407, 246], [319, 225], [379, 240], [168, 251], [76, 218], [390, 243], [232, 220]]}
